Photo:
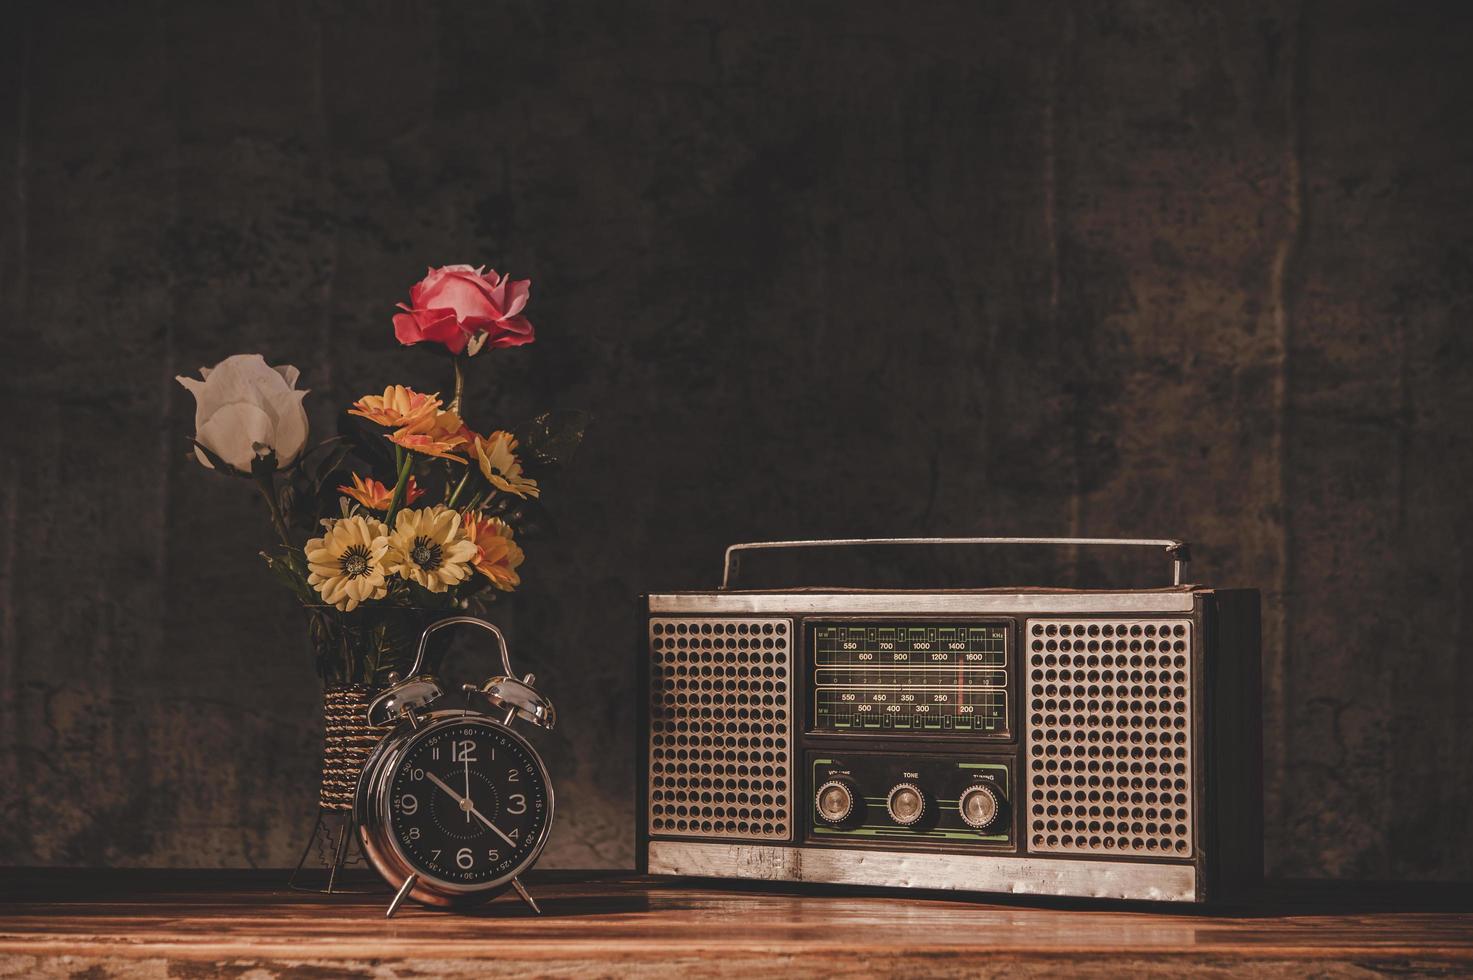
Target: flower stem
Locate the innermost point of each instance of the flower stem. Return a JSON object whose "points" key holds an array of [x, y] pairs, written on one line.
{"points": [[458, 487], [456, 360], [266, 483], [399, 490]]}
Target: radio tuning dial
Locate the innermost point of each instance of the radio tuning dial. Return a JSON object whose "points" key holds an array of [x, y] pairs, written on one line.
{"points": [[835, 801], [980, 805], [906, 804]]}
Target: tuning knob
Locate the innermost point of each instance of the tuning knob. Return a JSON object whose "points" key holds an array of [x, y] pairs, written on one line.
{"points": [[834, 801], [906, 804], [980, 804]]}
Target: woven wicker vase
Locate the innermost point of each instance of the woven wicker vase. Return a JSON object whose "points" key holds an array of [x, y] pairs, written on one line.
{"points": [[348, 739]]}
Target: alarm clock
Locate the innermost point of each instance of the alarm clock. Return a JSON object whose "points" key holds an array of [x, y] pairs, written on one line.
{"points": [[454, 805]]}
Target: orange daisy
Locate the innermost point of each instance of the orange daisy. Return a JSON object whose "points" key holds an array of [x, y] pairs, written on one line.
{"points": [[398, 406], [441, 434], [500, 465], [375, 496], [497, 553]]}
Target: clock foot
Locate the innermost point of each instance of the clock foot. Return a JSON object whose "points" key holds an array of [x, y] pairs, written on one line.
{"points": [[517, 884], [403, 893]]}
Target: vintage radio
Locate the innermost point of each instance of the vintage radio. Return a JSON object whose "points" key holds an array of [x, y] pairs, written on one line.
{"points": [[1093, 743]]}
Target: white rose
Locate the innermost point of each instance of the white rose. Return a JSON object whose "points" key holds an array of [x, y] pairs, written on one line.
{"points": [[241, 402]]}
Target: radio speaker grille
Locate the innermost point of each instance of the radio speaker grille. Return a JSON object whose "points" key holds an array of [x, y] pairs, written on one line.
{"points": [[1109, 737], [721, 738]]}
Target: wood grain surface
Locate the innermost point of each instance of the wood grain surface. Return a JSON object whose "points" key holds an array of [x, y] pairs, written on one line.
{"points": [[65, 924]]}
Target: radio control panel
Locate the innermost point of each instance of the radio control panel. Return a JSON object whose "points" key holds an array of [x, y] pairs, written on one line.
{"points": [[891, 799]]}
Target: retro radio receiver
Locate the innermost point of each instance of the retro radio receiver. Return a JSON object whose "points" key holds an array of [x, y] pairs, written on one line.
{"points": [[1093, 743]]}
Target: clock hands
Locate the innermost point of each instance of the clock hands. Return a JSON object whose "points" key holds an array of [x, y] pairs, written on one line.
{"points": [[493, 827], [468, 789], [469, 807]]}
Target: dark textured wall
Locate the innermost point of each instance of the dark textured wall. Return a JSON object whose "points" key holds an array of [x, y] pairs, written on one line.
{"points": [[823, 268]]}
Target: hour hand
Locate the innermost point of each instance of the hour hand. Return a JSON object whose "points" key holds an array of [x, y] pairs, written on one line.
{"points": [[441, 783]]}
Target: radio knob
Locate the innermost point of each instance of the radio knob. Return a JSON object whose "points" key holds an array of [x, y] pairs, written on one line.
{"points": [[835, 801], [906, 804], [980, 805]]}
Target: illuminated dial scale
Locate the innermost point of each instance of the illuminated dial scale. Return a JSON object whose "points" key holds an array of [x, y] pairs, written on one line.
{"points": [[893, 678]]}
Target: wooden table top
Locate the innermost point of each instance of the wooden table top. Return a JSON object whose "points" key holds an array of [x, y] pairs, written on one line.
{"points": [[200, 924]]}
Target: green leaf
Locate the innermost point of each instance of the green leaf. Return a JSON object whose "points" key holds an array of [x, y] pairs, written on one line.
{"points": [[286, 500], [369, 445], [290, 569], [331, 463], [552, 438], [530, 519]]}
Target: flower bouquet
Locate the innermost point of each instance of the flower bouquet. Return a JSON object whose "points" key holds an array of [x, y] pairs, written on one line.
{"points": [[408, 515]]}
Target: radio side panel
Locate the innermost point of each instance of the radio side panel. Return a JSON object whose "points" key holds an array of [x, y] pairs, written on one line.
{"points": [[640, 632], [1233, 814]]}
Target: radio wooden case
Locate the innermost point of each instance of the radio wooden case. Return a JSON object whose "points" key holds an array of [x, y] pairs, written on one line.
{"points": [[1089, 743]]}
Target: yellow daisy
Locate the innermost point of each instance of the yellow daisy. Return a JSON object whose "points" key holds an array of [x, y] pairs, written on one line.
{"points": [[397, 406], [497, 553], [430, 547], [499, 464], [346, 565], [442, 434]]}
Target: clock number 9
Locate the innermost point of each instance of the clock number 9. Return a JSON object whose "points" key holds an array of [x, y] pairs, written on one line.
{"points": [[408, 805]]}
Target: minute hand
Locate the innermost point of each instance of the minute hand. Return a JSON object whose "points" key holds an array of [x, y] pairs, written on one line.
{"points": [[488, 823], [461, 800]]}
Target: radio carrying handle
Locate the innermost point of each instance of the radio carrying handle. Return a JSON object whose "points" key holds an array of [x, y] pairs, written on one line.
{"points": [[1179, 551]]}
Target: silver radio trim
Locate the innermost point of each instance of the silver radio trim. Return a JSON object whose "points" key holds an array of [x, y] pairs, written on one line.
{"points": [[935, 603], [1134, 880]]}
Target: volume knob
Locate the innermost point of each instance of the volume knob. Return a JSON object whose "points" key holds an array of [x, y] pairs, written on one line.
{"points": [[906, 804], [834, 801], [980, 805]]}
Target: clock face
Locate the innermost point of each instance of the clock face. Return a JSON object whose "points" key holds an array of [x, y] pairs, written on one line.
{"points": [[469, 804]]}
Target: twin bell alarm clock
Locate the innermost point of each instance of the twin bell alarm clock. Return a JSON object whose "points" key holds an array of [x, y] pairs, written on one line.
{"points": [[454, 805]]}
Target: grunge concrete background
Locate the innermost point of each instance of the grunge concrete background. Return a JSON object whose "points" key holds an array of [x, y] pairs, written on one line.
{"points": [[830, 268]]}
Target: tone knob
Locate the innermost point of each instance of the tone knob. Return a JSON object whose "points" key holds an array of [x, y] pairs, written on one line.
{"points": [[906, 804], [980, 805], [834, 801]]}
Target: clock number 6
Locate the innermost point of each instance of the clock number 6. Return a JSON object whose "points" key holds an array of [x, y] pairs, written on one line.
{"points": [[464, 859]]}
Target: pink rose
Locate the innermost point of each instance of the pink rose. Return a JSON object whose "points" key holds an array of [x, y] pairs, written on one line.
{"points": [[460, 306]]}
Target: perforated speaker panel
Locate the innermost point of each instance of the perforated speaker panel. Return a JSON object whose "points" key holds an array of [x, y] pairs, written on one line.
{"points": [[721, 733], [1109, 743]]}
